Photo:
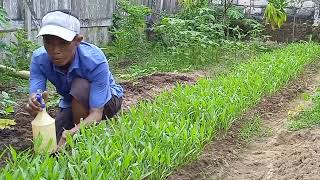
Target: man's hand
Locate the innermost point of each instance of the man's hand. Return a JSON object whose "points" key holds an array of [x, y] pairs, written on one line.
{"points": [[33, 106], [64, 135], [94, 117]]}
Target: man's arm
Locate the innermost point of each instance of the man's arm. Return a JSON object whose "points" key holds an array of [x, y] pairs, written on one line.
{"points": [[100, 93], [95, 115], [37, 81]]}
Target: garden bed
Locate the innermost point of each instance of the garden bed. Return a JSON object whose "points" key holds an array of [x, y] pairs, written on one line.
{"points": [[154, 137], [143, 88]]}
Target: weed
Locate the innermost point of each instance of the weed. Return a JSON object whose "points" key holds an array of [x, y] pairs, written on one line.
{"points": [[6, 104], [253, 128], [307, 118], [19, 52]]}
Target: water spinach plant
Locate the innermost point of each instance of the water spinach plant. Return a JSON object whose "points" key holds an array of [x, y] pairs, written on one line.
{"points": [[155, 137]]}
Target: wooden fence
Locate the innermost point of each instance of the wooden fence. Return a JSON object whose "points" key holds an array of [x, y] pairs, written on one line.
{"points": [[170, 6], [95, 16]]}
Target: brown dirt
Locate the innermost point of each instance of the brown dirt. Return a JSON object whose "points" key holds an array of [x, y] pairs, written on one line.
{"points": [[20, 135], [283, 155], [143, 88], [303, 30]]}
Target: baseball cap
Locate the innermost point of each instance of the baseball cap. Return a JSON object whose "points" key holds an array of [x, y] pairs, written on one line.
{"points": [[58, 23]]}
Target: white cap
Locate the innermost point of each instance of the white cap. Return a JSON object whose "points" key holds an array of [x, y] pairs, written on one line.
{"points": [[60, 24]]}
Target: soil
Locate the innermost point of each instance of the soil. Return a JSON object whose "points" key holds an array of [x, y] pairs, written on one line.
{"points": [[302, 30], [143, 88], [282, 155]]}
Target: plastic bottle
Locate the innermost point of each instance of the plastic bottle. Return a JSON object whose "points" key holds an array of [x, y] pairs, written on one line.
{"points": [[44, 129]]}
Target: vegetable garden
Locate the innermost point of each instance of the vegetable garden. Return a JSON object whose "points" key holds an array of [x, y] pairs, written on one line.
{"points": [[198, 77]]}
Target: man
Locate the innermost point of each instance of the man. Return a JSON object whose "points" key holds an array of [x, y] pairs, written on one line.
{"points": [[78, 70]]}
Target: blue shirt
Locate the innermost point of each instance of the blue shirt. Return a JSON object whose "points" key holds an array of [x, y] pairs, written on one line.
{"points": [[89, 63]]}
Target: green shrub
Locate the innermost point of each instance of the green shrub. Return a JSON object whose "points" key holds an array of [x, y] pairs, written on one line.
{"points": [[6, 104], [129, 29], [3, 17], [19, 52], [206, 27], [3, 23]]}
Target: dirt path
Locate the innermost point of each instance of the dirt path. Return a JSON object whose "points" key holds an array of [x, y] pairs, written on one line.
{"points": [[282, 155]]}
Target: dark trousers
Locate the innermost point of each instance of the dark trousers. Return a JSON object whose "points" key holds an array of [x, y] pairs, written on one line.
{"points": [[80, 90]]}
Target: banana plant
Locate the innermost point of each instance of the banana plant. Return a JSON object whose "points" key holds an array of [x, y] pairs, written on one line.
{"points": [[275, 13]]}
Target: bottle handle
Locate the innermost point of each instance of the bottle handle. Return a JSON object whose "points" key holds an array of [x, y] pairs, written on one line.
{"points": [[39, 98]]}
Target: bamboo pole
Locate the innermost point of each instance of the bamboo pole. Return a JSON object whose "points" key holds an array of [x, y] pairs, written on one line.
{"points": [[13, 72], [27, 20]]}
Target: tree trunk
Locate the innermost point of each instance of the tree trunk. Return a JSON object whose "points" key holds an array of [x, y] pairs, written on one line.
{"points": [[13, 72]]}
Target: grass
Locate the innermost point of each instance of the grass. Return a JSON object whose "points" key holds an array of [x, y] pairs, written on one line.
{"points": [[155, 58], [8, 81], [307, 118], [253, 128], [155, 137]]}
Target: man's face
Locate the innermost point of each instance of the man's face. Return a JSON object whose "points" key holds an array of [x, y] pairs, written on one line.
{"points": [[61, 51]]}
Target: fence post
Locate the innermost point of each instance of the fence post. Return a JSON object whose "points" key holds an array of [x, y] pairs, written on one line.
{"points": [[316, 14], [161, 5], [27, 19]]}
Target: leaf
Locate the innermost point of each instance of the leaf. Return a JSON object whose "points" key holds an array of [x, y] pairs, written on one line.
{"points": [[5, 95], [3, 18], [275, 13], [6, 123], [9, 109], [72, 171], [234, 14]]}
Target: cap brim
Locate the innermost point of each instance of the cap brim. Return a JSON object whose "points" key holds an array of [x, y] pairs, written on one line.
{"points": [[61, 32]]}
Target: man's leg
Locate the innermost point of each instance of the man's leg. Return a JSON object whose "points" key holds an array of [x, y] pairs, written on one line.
{"points": [[112, 107], [80, 89], [63, 121]]}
